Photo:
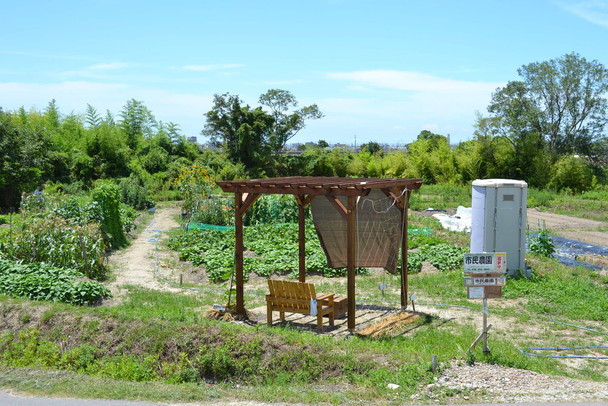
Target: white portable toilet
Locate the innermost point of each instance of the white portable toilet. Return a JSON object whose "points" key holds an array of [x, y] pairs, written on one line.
{"points": [[498, 222]]}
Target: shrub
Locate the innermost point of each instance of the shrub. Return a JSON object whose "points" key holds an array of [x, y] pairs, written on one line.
{"points": [[108, 195], [270, 209], [541, 244], [540, 198], [571, 173], [214, 210], [134, 194], [79, 210]]}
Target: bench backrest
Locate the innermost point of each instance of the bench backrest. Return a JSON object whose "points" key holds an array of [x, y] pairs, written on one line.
{"points": [[292, 294]]}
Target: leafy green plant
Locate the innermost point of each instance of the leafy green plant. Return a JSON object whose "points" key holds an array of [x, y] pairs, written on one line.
{"points": [[541, 244], [275, 247], [270, 209], [45, 282], [79, 210], [55, 241], [108, 196], [134, 194], [214, 210], [443, 256], [127, 217]]}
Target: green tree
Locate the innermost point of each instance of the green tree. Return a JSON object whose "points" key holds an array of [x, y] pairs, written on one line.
{"points": [[286, 124], [52, 115], [93, 119], [372, 147], [428, 135], [561, 101], [571, 173], [252, 136], [24, 148], [432, 160], [137, 122]]}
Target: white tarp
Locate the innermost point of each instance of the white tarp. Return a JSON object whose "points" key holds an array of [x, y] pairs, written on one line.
{"points": [[461, 221]]}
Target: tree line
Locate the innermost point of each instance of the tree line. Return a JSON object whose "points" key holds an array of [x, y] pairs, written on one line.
{"points": [[548, 128]]}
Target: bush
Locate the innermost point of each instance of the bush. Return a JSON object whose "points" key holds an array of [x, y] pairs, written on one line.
{"points": [[270, 209], [542, 244], [108, 195], [133, 193], [540, 198], [571, 174], [79, 210], [214, 210]]}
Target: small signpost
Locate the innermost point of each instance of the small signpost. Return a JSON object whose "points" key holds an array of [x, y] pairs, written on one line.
{"points": [[484, 277]]}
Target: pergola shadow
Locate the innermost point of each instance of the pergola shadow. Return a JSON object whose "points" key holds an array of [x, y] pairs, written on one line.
{"points": [[366, 316]]}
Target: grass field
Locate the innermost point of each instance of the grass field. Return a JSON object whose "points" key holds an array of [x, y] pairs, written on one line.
{"points": [[158, 346]]}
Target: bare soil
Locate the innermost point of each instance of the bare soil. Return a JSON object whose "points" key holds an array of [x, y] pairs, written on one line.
{"points": [[574, 228], [139, 263]]}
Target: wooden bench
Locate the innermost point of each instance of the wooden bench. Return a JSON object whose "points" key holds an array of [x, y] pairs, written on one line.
{"points": [[295, 297]]}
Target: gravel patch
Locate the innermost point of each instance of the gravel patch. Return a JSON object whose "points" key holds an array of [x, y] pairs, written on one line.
{"points": [[493, 383]]}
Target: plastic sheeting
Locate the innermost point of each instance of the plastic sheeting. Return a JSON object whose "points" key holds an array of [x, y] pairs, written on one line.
{"points": [[461, 221], [567, 251]]}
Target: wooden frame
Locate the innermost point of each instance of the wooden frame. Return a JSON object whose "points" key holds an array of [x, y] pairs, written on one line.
{"points": [[305, 189]]}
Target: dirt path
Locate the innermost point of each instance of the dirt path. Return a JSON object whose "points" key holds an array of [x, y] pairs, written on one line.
{"points": [[136, 264], [574, 228]]}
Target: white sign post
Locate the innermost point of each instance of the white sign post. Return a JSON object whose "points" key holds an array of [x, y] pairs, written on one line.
{"points": [[484, 278]]}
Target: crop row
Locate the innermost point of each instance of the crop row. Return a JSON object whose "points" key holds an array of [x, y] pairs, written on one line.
{"points": [[45, 282]]}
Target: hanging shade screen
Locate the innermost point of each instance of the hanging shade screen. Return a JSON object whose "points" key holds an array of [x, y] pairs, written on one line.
{"points": [[379, 230]]}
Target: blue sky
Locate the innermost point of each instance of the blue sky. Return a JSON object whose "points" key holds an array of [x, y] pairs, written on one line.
{"points": [[379, 70]]}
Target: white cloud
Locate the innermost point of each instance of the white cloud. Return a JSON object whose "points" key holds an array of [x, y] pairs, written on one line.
{"points": [[108, 66], [208, 68], [97, 71], [594, 11], [394, 106], [411, 81]]}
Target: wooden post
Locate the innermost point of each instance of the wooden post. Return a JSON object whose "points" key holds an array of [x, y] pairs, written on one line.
{"points": [[351, 255], [485, 328], [404, 249], [301, 239], [486, 349], [238, 252]]}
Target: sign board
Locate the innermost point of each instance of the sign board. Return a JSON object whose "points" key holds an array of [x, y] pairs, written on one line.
{"points": [[484, 292], [485, 262], [490, 280], [477, 292]]}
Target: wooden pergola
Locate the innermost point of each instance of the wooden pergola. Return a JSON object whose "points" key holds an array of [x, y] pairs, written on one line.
{"points": [[305, 189]]}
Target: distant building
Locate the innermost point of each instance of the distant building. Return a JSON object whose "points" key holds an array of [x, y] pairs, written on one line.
{"points": [[192, 139]]}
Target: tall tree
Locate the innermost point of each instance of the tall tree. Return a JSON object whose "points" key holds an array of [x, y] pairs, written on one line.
{"points": [[562, 100], [286, 125], [24, 163], [137, 122], [253, 136], [93, 119], [51, 114]]}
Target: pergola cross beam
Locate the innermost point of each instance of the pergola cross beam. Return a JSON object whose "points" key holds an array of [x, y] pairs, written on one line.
{"points": [[305, 189]]}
